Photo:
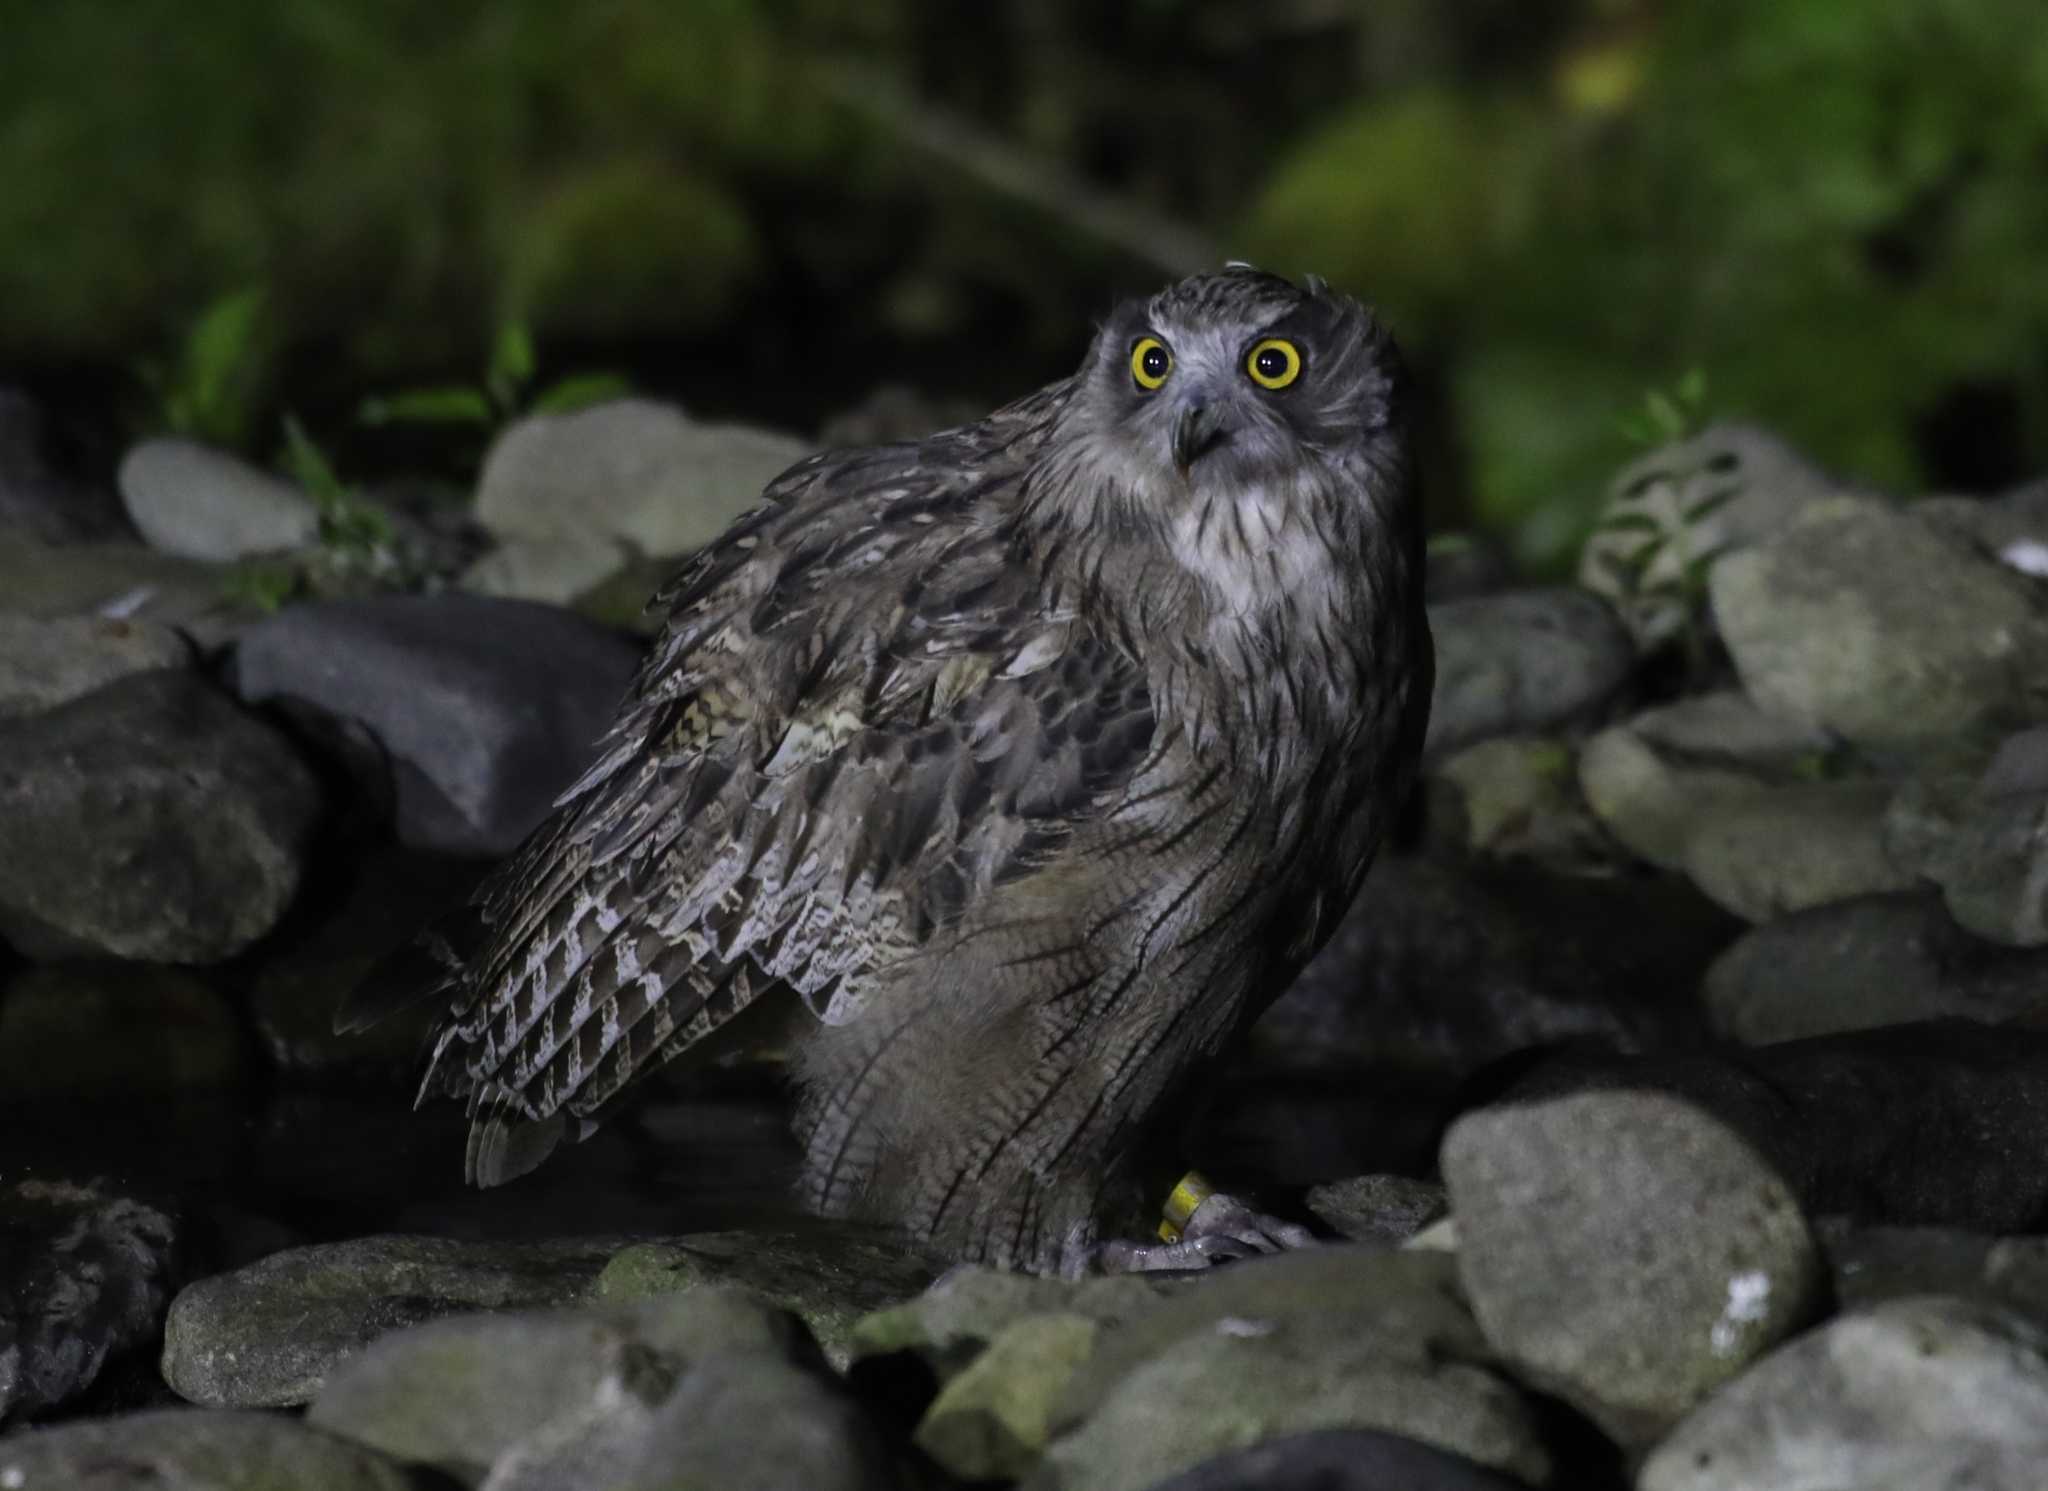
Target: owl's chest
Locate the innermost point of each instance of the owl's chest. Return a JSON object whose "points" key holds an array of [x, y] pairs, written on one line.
{"points": [[1254, 551]]}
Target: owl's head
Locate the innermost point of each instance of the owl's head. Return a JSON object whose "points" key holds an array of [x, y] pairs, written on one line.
{"points": [[1239, 382]]}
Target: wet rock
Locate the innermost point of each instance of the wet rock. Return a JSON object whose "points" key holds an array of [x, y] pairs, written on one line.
{"points": [[633, 470], [1518, 797], [187, 1448], [1628, 1251], [1335, 1338], [830, 1277], [42, 496], [487, 708], [1915, 1393], [1340, 1460], [47, 663], [85, 1277], [1872, 623], [196, 502], [1991, 861], [552, 570], [1522, 662], [1793, 848], [993, 1420], [1383, 1209], [1684, 505], [68, 1033], [295, 990], [462, 1394], [270, 1334], [150, 819], [1863, 963]]}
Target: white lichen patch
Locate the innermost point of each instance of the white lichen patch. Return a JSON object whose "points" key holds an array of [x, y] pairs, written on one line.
{"points": [[1749, 1297]]}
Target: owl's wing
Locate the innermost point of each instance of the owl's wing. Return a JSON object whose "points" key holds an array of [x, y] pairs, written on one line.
{"points": [[864, 712]]}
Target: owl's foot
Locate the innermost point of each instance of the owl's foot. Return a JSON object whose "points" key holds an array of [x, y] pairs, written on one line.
{"points": [[1203, 1228]]}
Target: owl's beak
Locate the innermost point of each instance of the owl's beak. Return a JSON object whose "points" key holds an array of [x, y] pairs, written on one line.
{"points": [[1197, 431]]}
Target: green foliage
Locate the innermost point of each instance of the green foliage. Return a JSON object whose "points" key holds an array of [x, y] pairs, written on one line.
{"points": [[210, 389], [501, 395], [357, 539], [1670, 414]]}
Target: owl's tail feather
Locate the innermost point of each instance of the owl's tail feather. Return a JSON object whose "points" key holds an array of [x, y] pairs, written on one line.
{"points": [[427, 967], [504, 1146]]}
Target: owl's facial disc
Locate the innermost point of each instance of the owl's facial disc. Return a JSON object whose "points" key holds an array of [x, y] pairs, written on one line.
{"points": [[1198, 428]]}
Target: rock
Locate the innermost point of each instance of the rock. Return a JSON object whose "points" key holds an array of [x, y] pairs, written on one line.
{"points": [[1874, 624], [1793, 848], [1383, 1209], [388, 894], [67, 1033], [896, 412], [47, 663], [1992, 863], [87, 1276], [1652, 805], [1522, 662], [42, 497], [993, 1420], [970, 1306], [1519, 798], [1340, 1460], [1910, 1394], [2012, 527], [461, 1394], [118, 582], [1459, 566], [830, 1277], [1628, 1251], [1683, 506], [194, 501], [1873, 1264], [487, 708], [149, 819], [1333, 1338], [1863, 963], [1726, 727], [181, 1448], [632, 470], [553, 570], [270, 1334]]}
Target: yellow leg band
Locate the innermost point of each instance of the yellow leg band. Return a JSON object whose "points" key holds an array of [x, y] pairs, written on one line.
{"points": [[1192, 1190]]}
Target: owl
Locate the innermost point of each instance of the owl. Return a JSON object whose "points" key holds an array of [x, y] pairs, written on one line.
{"points": [[1020, 766]]}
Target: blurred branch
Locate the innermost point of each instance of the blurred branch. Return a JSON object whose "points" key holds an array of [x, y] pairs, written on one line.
{"points": [[1145, 236]]}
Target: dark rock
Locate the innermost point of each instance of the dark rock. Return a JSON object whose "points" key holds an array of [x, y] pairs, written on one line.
{"points": [[150, 819], [1914, 1393], [1873, 961], [68, 1034], [1460, 566], [196, 502], [1383, 1209], [42, 496], [268, 1335], [1522, 662], [1340, 1460], [1992, 862], [1626, 1250], [85, 1277], [183, 1449], [487, 708], [1874, 1264], [47, 663], [1331, 1338]]}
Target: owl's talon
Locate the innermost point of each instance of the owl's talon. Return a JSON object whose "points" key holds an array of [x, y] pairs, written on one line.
{"points": [[1221, 1229]]}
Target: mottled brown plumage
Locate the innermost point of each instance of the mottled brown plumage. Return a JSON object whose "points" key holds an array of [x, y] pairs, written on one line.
{"points": [[1033, 758]]}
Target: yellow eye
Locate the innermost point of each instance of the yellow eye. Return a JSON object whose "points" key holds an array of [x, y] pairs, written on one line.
{"points": [[1150, 362], [1274, 363]]}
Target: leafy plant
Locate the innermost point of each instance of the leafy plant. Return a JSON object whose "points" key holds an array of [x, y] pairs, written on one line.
{"points": [[1669, 415], [211, 386], [356, 537], [262, 585], [501, 394]]}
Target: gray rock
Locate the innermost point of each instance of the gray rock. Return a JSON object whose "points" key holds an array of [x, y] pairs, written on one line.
{"points": [[970, 1306], [1727, 727], [67, 1034], [116, 581], [1863, 963], [1522, 662], [150, 819], [462, 1394], [1792, 848], [194, 501], [1340, 1460], [633, 470], [1518, 797], [1680, 508], [1652, 804], [552, 570], [993, 1420], [42, 497], [1871, 623], [830, 1277], [182, 1449], [2012, 526], [47, 663], [487, 708], [87, 1278], [1626, 1250], [1383, 1209], [1991, 861], [1914, 1393], [1334, 1338], [270, 1334]]}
